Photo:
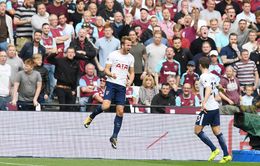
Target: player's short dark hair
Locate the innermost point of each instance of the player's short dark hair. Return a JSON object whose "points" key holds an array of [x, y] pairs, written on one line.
{"points": [[124, 38], [204, 62]]}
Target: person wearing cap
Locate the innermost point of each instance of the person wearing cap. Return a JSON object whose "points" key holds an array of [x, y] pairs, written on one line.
{"points": [[144, 19], [255, 56], [189, 76], [215, 67]]}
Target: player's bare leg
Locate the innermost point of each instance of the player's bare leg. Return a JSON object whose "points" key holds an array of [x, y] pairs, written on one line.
{"points": [[117, 125], [105, 106], [226, 157], [198, 130]]}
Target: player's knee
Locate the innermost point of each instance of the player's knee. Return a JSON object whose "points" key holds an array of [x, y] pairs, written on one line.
{"points": [[105, 106], [120, 111], [197, 130]]}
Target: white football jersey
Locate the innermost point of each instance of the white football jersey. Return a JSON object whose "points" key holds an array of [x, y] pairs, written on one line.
{"points": [[120, 66], [209, 80]]}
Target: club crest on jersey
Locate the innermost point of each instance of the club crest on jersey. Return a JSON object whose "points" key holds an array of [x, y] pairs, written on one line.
{"points": [[122, 66]]}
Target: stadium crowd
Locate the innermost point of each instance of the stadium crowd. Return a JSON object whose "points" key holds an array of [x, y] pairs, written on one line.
{"points": [[55, 49]]}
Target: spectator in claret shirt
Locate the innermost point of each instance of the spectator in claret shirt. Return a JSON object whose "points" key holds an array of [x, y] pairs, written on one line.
{"points": [[168, 66], [57, 35], [171, 6], [190, 76], [100, 26], [88, 85], [57, 8], [98, 96], [187, 98], [229, 84], [144, 20]]}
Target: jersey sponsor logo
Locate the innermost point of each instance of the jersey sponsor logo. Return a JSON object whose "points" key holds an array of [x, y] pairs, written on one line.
{"points": [[122, 66]]}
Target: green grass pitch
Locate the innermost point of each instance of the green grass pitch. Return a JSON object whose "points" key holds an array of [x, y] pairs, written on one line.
{"points": [[100, 162]]}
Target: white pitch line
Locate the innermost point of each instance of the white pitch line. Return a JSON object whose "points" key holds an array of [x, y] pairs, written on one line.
{"points": [[19, 164]]}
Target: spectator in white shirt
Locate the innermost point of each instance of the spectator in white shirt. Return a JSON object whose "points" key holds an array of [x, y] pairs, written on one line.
{"points": [[246, 14], [251, 45]]}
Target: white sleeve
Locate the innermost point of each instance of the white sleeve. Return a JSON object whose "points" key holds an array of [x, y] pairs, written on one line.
{"points": [[205, 81], [132, 62], [109, 59]]}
